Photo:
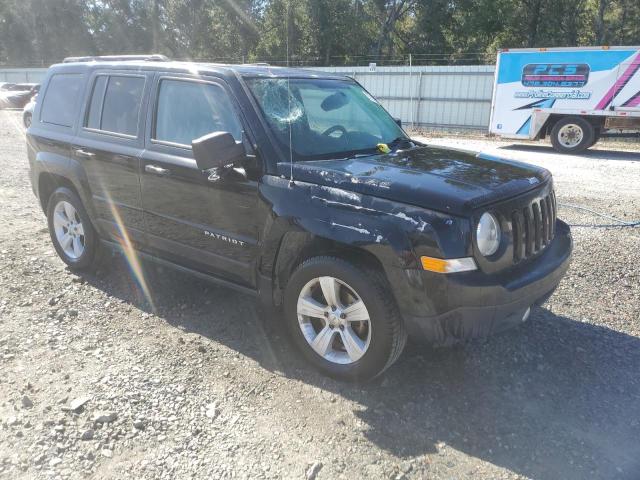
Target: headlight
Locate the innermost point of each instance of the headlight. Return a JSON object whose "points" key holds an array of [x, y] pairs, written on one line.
{"points": [[488, 234]]}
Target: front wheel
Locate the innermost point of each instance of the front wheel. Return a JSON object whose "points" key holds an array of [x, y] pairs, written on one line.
{"points": [[343, 318], [72, 233], [27, 120], [572, 135]]}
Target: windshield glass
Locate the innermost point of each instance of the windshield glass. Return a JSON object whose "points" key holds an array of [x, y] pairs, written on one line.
{"points": [[328, 118]]}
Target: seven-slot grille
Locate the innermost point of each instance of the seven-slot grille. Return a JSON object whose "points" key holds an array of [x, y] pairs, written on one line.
{"points": [[533, 227]]}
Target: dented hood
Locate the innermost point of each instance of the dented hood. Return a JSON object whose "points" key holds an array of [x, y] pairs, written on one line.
{"points": [[442, 179]]}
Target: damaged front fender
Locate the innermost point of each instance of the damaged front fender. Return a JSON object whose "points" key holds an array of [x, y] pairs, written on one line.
{"points": [[396, 234]]}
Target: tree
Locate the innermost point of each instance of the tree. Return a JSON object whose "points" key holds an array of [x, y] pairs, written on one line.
{"points": [[315, 32], [391, 12], [601, 29]]}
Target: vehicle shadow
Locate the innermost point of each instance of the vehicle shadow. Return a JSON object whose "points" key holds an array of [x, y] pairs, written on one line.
{"points": [[591, 153], [555, 398]]}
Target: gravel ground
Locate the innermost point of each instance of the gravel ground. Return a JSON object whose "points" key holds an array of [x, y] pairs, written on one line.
{"points": [[96, 383]]}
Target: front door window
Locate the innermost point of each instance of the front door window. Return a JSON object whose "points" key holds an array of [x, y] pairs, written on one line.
{"points": [[189, 110]]}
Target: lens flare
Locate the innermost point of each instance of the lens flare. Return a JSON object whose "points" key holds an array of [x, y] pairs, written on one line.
{"points": [[129, 252]]}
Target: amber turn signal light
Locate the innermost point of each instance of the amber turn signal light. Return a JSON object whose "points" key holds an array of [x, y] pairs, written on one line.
{"points": [[448, 265]]}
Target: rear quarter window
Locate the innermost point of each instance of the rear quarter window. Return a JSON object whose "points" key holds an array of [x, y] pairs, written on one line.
{"points": [[58, 105]]}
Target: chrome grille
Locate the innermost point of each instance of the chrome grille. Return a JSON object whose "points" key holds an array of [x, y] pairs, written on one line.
{"points": [[533, 227]]}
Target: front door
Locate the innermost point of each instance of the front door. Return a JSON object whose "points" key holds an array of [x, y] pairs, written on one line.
{"points": [[203, 222]]}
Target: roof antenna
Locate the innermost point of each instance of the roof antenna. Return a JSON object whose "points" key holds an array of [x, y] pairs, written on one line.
{"points": [[291, 183]]}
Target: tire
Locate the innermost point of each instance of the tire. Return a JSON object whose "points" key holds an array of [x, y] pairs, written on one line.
{"points": [[379, 340], [596, 137], [80, 256], [26, 119], [572, 135]]}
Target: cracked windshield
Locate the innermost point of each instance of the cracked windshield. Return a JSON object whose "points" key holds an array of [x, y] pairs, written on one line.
{"points": [[328, 118]]}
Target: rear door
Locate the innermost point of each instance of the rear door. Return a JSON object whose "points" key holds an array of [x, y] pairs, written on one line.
{"points": [[109, 145], [193, 219]]}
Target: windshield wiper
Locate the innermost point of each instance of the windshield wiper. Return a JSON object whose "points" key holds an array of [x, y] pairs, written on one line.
{"points": [[373, 151], [362, 154], [396, 142]]}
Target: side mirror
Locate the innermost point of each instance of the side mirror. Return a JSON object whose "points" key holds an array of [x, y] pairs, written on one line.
{"points": [[398, 122], [216, 150]]}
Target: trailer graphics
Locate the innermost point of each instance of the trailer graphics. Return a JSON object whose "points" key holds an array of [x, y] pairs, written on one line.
{"points": [[555, 75], [535, 88], [573, 94]]}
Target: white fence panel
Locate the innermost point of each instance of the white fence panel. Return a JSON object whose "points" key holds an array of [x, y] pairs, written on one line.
{"points": [[22, 75], [430, 96]]}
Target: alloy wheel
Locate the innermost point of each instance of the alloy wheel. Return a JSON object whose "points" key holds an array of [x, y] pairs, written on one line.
{"points": [[68, 229], [334, 320]]}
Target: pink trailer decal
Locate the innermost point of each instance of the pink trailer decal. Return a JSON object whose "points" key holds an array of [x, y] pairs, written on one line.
{"points": [[633, 101], [620, 83]]}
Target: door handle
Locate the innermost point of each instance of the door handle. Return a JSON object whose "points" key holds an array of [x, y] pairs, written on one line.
{"points": [[83, 153], [156, 170]]}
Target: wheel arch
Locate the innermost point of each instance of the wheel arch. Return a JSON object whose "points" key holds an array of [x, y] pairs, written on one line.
{"points": [[296, 247], [53, 171], [287, 245], [49, 183]]}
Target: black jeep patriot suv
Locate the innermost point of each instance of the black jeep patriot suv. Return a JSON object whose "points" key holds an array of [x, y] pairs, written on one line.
{"points": [[299, 188]]}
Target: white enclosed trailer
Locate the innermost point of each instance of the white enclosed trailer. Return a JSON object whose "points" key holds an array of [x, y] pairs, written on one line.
{"points": [[573, 95]]}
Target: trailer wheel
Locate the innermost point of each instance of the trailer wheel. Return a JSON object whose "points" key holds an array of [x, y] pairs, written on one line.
{"points": [[572, 135]]}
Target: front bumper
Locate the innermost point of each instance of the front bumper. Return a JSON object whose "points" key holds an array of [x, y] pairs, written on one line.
{"points": [[473, 304]]}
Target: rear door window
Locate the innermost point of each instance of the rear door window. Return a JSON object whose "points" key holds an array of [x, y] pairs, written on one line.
{"points": [[58, 105], [188, 110], [115, 104]]}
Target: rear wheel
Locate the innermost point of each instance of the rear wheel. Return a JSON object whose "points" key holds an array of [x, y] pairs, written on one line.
{"points": [[343, 318], [572, 135], [72, 233], [27, 120]]}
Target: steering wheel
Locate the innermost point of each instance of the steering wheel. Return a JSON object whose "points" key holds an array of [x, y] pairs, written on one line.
{"points": [[335, 128]]}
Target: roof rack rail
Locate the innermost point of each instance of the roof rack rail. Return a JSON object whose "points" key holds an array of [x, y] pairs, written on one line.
{"points": [[118, 58]]}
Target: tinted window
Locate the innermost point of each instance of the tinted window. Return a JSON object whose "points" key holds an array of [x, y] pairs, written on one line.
{"points": [[60, 99], [188, 110], [121, 107], [95, 109]]}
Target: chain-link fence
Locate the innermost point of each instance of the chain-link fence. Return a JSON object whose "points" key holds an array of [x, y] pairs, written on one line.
{"points": [[439, 97], [413, 59]]}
